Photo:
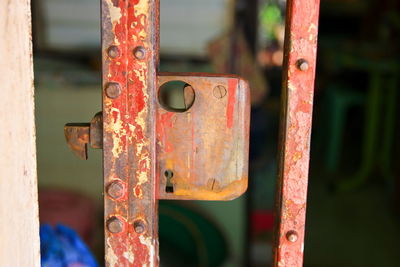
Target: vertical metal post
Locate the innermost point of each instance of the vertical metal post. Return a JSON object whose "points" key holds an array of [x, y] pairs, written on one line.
{"points": [[129, 54], [297, 104]]}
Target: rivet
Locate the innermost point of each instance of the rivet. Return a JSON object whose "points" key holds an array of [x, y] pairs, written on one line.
{"points": [[114, 225], [139, 52], [139, 226], [302, 64], [113, 51], [115, 190], [292, 236], [219, 91], [113, 90]]}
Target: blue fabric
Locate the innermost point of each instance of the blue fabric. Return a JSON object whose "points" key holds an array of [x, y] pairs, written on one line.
{"points": [[62, 247]]}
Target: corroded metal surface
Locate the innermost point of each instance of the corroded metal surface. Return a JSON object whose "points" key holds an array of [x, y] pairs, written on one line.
{"points": [[202, 154], [79, 135], [297, 105], [129, 131], [96, 131], [203, 151]]}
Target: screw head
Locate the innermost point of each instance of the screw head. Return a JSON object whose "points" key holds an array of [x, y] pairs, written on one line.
{"points": [[114, 225], [113, 51], [113, 90], [139, 226], [302, 64], [139, 52], [292, 236], [115, 189], [219, 91]]}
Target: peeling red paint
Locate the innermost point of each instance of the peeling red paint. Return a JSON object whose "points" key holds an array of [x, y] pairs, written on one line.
{"points": [[129, 130], [232, 84], [133, 123], [297, 105]]}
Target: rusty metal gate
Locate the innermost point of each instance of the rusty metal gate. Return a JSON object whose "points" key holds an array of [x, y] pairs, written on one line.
{"points": [[151, 152]]}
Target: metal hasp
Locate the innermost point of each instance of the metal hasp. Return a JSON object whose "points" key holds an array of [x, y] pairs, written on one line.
{"points": [[79, 135], [151, 152], [297, 105]]}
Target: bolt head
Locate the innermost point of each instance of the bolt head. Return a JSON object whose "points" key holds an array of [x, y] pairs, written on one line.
{"points": [[139, 52], [114, 225], [139, 226], [113, 51], [302, 64], [292, 236], [115, 190], [219, 91], [113, 90]]}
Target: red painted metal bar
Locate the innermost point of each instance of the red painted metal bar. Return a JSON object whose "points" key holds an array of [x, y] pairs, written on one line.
{"points": [[150, 151], [129, 51], [297, 105]]}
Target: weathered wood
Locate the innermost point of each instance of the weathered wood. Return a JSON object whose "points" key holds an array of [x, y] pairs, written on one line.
{"points": [[19, 227]]}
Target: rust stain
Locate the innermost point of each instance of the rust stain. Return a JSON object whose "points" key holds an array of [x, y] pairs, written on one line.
{"points": [[229, 192], [196, 146]]}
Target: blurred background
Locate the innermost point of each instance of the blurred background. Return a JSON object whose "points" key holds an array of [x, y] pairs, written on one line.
{"points": [[354, 190]]}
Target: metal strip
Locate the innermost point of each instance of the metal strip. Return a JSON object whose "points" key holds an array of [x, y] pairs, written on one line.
{"points": [[297, 104], [129, 52]]}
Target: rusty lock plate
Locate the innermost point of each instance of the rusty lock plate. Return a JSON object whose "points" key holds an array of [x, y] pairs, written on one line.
{"points": [[202, 153]]}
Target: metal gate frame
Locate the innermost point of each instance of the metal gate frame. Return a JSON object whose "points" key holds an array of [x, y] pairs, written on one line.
{"points": [[295, 131], [130, 32]]}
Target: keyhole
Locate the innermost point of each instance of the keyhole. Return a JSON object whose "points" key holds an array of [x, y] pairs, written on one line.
{"points": [[169, 188]]}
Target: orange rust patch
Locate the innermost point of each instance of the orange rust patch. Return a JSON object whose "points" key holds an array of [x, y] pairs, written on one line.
{"points": [[229, 192]]}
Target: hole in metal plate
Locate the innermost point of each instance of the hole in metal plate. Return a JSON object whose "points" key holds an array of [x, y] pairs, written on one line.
{"points": [[176, 96]]}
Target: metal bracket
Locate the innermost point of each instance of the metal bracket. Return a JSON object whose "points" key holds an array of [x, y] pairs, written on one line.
{"points": [[79, 135]]}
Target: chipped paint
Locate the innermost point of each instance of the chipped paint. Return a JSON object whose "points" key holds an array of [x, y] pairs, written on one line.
{"points": [[110, 257], [129, 256], [129, 131], [149, 243], [114, 12], [116, 126], [298, 87]]}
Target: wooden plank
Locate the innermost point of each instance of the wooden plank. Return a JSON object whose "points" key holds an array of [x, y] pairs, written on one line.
{"points": [[19, 227]]}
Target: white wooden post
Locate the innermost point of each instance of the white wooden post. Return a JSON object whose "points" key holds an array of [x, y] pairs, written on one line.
{"points": [[19, 223]]}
